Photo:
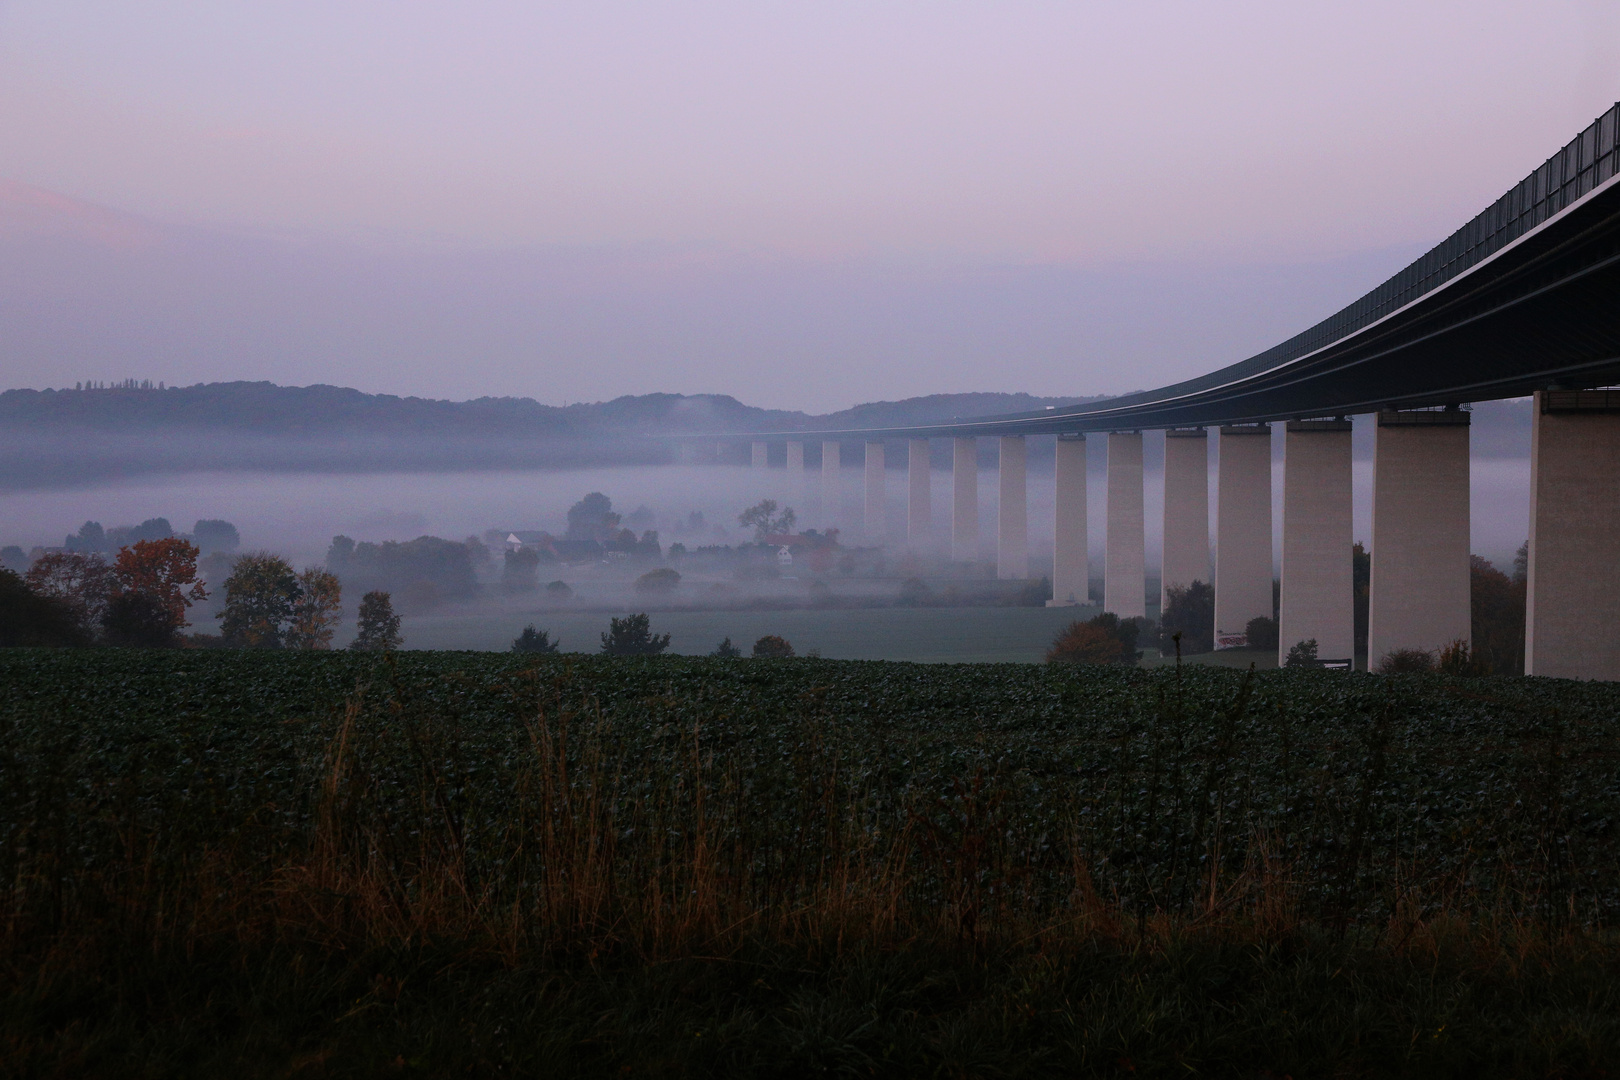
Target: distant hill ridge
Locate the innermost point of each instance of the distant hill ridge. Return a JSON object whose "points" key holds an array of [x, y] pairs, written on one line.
{"points": [[264, 408]]}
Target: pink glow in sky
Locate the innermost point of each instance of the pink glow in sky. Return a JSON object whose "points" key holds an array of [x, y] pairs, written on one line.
{"points": [[830, 142]]}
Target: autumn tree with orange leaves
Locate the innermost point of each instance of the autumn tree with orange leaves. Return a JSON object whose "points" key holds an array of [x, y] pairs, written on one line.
{"points": [[160, 570]]}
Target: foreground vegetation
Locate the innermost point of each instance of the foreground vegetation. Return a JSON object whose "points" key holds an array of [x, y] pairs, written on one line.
{"points": [[301, 862]]}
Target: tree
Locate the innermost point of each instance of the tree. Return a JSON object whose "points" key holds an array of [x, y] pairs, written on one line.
{"points": [[633, 636], [14, 558], [161, 570], [1302, 654], [259, 599], [1496, 618], [379, 626], [726, 650], [662, 580], [1261, 632], [558, 590], [212, 534], [534, 641], [139, 620], [765, 521], [520, 571], [771, 647], [90, 537], [592, 518], [317, 610], [81, 581], [1190, 611], [28, 618]]}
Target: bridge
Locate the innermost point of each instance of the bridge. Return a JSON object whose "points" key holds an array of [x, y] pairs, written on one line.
{"points": [[1522, 300]]}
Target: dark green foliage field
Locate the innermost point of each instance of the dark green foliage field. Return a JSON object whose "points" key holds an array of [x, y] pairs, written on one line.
{"points": [[295, 863]]}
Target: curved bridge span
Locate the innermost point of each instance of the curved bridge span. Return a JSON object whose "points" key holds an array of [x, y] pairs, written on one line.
{"points": [[1524, 299]]}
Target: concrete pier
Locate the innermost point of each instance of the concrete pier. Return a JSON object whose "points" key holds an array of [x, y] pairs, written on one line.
{"points": [[832, 486], [1318, 590], [1125, 564], [1012, 509], [1070, 554], [875, 517], [1420, 526], [1186, 511], [796, 486], [1242, 532], [964, 500], [759, 456], [919, 492], [1572, 605]]}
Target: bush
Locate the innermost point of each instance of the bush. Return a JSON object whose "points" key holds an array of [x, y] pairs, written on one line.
{"points": [[1102, 639], [633, 636], [534, 641], [660, 581], [1261, 633], [771, 647], [1460, 660], [1406, 662], [1190, 611], [1302, 654], [914, 592]]}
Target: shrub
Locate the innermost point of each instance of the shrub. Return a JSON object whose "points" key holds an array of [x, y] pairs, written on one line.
{"points": [[1301, 654], [1261, 633], [633, 636], [1102, 639], [1460, 660], [726, 650], [534, 641], [662, 580], [1084, 643], [771, 647], [914, 592], [1406, 662]]}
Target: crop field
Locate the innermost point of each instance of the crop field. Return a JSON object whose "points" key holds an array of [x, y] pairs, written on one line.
{"points": [[483, 864]]}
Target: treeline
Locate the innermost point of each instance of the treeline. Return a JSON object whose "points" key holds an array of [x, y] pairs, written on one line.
{"points": [[143, 598], [264, 407]]}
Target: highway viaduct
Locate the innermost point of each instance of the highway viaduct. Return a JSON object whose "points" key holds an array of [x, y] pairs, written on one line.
{"points": [[1522, 300]]}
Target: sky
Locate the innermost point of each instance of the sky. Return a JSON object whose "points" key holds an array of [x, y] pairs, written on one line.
{"points": [[806, 205]]}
